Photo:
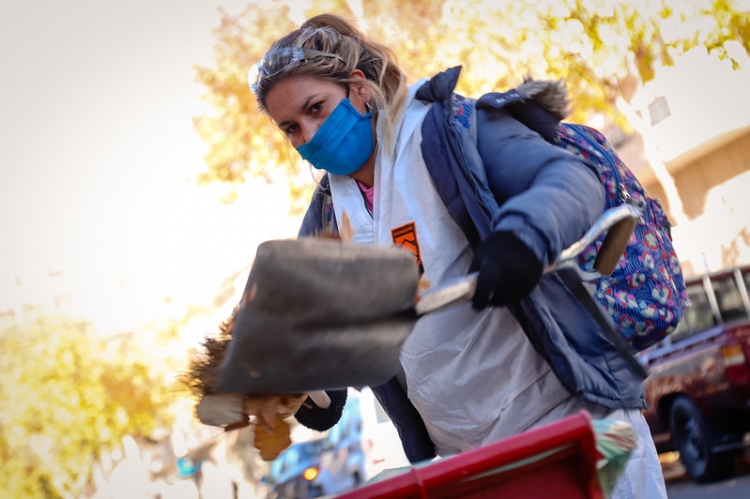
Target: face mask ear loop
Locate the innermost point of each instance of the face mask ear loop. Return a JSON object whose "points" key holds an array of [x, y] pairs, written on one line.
{"points": [[368, 107]]}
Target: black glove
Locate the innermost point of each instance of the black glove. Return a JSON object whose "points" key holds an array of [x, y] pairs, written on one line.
{"points": [[319, 419], [508, 270]]}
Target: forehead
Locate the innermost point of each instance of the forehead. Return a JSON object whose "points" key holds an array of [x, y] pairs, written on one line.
{"points": [[289, 95]]}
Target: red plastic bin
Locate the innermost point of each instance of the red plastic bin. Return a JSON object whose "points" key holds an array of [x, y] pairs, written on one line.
{"points": [[553, 461]]}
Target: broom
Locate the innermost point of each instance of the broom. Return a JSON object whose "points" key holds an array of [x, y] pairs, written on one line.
{"points": [[235, 410]]}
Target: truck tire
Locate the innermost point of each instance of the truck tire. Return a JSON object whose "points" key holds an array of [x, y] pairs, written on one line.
{"points": [[693, 437]]}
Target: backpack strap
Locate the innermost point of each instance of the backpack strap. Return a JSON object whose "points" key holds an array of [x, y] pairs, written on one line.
{"points": [[604, 320], [465, 113]]}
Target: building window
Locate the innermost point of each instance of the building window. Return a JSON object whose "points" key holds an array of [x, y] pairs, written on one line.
{"points": [[729, 299]]}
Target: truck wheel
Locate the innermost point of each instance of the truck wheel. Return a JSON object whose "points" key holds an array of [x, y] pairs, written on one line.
{"points": [[693, 437]]}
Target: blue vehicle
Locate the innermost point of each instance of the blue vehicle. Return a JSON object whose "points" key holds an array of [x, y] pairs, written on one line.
{"points": [[329, 465]]}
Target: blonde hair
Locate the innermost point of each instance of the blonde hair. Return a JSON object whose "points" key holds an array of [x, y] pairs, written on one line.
{"points": [[335, 35]]}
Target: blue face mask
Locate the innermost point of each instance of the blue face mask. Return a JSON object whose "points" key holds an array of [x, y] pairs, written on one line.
{"points": [[343, 143]]}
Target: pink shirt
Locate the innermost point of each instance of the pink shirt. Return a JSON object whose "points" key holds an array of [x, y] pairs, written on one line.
{"points": [[368, 192]]}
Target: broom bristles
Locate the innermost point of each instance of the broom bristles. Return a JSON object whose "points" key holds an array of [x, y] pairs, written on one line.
{"points": [[203, 367]]}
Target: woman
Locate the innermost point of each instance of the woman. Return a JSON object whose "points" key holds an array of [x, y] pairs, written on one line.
{"points": [[399, 164]]}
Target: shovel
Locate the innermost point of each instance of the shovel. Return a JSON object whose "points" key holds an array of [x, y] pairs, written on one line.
{"points": [[318, 314]]}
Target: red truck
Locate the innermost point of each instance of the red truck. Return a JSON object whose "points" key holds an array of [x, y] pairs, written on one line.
{"points": [[698, 389]]}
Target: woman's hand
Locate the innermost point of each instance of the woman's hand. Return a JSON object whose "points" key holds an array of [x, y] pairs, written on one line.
{"points": [[266, 407], [508, 270], [233, 410]]}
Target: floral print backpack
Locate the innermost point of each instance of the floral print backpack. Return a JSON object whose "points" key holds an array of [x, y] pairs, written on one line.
{"points": [[646, 294]]}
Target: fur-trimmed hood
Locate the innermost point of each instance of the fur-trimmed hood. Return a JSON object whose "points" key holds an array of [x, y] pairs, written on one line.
{"points": [[538, 104], [552, 95]]}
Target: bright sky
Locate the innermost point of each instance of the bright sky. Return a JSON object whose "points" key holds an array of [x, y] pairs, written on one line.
{"points": [[97, 155]]}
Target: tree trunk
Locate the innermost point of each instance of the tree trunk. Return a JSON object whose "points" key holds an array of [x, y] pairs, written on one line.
{"points": [[653, 156]]}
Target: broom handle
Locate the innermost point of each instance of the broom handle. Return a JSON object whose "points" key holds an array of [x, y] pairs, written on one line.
{"points": [[619, 224]]}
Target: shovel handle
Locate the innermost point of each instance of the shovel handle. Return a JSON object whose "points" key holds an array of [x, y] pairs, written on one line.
{"points": [[321, 399], [614, 245], [455, 291], [619, 224]]}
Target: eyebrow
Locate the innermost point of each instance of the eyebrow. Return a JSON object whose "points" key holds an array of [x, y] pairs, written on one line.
{"points": [[302, 108]]}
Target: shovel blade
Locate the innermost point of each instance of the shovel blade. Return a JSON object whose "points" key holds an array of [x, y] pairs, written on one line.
{"points": [[320, 315], [307, 360]]}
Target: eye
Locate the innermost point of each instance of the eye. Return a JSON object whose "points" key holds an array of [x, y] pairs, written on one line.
{"points": [[290, 130], [315, 107]]}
